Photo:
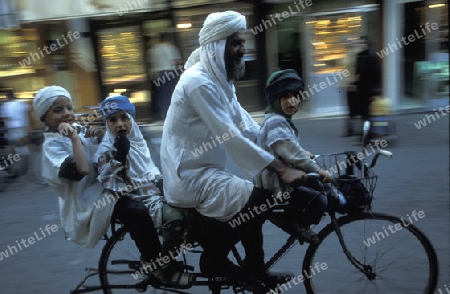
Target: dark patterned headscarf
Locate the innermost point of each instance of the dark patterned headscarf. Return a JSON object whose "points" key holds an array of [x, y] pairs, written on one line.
{"points": [[280, 82]]}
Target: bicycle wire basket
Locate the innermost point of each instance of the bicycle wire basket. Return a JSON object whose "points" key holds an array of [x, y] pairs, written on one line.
{"points": [[352, 176]]}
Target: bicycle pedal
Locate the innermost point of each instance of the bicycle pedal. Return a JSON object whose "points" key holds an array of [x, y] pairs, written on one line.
{"points": [[141, 287]]}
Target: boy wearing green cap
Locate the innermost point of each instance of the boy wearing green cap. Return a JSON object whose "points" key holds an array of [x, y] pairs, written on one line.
{"points": [[279, 136]]}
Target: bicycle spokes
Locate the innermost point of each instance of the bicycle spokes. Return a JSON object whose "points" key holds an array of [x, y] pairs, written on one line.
{"points": [[376, 259]]}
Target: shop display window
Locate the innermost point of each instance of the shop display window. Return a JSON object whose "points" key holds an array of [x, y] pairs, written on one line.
{"points": [[329, 37], [122, 58], [19, 52]]}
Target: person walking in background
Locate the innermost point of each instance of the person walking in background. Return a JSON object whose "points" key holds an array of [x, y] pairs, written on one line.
{"points": [[15, 115], [348, 87], [164, 57], [367, 77]]}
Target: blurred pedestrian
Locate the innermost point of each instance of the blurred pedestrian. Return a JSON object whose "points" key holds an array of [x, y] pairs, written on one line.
{"points": [[164, 58], [367, 77], [15, 115], [348, 87]]}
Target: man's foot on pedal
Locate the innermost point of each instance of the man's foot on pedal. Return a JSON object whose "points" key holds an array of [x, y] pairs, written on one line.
{"points": [[256, 271], [275, 279], [225, 268], [173, 275]]}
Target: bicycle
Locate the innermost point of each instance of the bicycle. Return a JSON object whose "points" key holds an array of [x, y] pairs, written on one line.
{"points": [[359, 267]]}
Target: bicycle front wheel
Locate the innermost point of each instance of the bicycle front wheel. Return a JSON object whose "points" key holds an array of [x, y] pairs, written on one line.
{"points": [[395, 256]]}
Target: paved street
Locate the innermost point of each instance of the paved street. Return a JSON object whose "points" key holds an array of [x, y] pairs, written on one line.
{"points": [[415, 179]]}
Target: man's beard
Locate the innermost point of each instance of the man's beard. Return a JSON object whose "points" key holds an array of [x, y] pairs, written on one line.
{"points": [[235, 68]]}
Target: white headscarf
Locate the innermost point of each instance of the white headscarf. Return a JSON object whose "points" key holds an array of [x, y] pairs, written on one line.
{"points": [[212, 38], [139, 159], [217, 26], [45, 98]]}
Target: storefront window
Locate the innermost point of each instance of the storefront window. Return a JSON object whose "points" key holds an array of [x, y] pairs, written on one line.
{"points": [[19, 52], [328, 43], [425, 67], [121, 55], [328, 39], [21, 62]]}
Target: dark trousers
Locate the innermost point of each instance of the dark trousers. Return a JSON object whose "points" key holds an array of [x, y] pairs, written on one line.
{"points": [[358, 105], [135, 216], [352, 112], [312, 205], [217, 238]]}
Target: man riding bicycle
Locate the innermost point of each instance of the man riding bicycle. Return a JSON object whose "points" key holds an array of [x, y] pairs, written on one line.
{"points": [[206, 126]]}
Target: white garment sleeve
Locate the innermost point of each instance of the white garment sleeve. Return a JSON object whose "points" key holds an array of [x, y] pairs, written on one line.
{"points": [[251, 127], [54, 154], [248, 156]]}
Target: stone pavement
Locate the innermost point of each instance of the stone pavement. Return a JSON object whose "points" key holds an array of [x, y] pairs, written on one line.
{"points": [[415, 179]]}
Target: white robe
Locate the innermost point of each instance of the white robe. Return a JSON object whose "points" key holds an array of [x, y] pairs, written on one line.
{"points": [[83, 223], [199, 179]]}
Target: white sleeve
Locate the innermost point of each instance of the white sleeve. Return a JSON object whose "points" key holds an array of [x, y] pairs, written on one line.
{"points": [[248, 156], [54, 153], [251, 127]]}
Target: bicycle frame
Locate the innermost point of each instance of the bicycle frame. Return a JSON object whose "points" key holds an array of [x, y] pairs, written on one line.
{"points": [[365, 269]]}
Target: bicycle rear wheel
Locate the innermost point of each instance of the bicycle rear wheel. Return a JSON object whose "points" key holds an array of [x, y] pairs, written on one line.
{"points": [[120, 269], [399, 258]]}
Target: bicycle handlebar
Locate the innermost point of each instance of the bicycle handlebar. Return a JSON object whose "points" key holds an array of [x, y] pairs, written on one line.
{"points": [[309, 180], [386, 153]]}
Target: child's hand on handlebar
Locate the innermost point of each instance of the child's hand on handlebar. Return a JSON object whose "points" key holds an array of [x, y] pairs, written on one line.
{"points": [[327, 178]]}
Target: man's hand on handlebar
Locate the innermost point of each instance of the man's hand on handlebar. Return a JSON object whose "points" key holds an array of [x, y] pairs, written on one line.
{"points": [[289, 175]]}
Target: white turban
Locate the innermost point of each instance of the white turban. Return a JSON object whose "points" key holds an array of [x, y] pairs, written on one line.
{"points": [[45, 97], [217, 26]]}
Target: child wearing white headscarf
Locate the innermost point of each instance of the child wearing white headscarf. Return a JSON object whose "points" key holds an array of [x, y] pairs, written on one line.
{"points": [[68, 168], [126, 168]]}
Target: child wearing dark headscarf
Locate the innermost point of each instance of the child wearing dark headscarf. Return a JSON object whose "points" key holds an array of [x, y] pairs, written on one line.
{"points": [[279, 136]]}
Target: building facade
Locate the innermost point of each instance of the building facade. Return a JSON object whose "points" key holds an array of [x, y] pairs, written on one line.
{"points": [[95, 48]]}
